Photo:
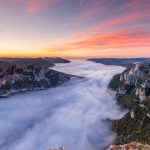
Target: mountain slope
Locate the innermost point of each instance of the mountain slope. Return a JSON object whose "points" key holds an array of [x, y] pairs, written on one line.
{"points": [[21, 77], [46, 61], [125, 62]]}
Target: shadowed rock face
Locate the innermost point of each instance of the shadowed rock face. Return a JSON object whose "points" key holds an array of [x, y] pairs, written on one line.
{"points": [[130, 146], [16, 78]]}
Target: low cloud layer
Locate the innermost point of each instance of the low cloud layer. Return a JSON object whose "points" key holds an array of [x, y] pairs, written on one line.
{"points": [[72, 115]]}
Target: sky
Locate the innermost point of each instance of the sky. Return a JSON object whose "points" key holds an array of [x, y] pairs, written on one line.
{"points": [[75, 28]]}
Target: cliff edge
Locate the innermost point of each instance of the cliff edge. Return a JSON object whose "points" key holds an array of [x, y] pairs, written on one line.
{"points": [[133, 94], [16, 78]]}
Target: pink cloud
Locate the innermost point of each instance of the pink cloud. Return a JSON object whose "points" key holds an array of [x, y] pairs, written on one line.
{"points": [[112, 24], [93, 8], [123, 39], [103, 8], [34, 6]]}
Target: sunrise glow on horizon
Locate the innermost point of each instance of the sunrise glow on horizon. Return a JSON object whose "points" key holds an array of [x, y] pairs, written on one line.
{"points": [[74, 28]]}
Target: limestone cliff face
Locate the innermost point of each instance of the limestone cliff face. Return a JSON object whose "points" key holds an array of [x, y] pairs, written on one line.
{"points": [[130, 146], [136, 77], [133, 93], [16, 78]]}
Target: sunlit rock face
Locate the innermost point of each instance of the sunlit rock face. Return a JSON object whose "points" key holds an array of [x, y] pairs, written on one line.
{"points": [[130, 146], [136, 77]]}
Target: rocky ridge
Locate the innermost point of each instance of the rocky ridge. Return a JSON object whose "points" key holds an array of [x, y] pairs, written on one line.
{"points": [[16, 78], [45, 61], [125, 62]]}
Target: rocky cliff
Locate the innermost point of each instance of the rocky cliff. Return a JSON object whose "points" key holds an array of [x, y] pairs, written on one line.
{"points": [[133, 93], [135, 79], [18, 77]]}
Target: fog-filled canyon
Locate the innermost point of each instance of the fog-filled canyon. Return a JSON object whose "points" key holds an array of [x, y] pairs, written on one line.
{"points": [[74, 115]]}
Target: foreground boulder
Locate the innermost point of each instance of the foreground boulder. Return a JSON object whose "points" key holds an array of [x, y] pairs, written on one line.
{"points": [[130, 146]]}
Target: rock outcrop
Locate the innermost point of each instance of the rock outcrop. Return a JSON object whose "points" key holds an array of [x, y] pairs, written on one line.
{"points": [[135, 78], [15, 78], [130, 146]]}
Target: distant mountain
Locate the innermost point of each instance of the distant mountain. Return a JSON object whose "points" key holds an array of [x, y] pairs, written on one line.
{"points": [[133, 93], [34, 61], [15, 78], [46, 61], [56, 60], [125, 62]]}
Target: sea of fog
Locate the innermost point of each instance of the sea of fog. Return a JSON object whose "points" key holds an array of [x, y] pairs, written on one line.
{"points": [[72, 115]]}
